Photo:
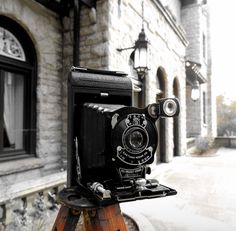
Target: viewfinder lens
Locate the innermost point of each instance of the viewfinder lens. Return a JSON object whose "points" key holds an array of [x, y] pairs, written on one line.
{"points": [[170, 107]]}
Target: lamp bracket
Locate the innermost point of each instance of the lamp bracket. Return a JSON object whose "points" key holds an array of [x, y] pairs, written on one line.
{"points": [[123, 49]]}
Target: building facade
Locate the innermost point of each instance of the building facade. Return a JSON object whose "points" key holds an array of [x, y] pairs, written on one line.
{"points": [[40, 40], [201, 116]]}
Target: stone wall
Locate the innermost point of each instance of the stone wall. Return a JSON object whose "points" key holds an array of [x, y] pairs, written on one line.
{"points": [[193, 125], [225, 141], [94, 36], [191, 22], [44, 28], [174, 8], [196, 126], [30, 205]]}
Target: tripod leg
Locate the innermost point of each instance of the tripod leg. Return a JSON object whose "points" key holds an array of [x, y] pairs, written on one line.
{"points": [[66, 219], [107, 218]]}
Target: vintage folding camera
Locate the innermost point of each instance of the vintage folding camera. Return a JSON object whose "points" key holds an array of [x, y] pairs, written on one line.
{"points": [[111, 143]]}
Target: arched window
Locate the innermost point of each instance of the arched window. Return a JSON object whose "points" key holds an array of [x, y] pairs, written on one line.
{"points": [[17, 91]]}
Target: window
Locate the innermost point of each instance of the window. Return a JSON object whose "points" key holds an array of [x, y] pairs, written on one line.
{"points": [[188, 2], [204, 52], [17, 92], [204, 108]]}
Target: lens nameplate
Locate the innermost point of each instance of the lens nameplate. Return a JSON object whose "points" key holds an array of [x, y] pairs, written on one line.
{"points": [[132, 159], [132, 143]]}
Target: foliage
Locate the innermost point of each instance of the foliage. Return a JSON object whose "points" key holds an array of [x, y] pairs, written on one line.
{"points": [[203, 144], [226, 117]]}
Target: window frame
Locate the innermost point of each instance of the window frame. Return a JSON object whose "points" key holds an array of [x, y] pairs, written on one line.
{"points": [[204, 109], [28, 69], [204, 47]]}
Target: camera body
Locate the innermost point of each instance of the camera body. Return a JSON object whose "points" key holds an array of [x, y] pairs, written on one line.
{"points": [[111, 143]]}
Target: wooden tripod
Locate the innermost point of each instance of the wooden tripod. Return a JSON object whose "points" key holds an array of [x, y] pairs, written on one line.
{"points": [[105, 218]]}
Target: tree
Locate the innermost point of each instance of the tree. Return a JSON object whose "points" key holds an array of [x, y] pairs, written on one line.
{"points": [[226, 117]]}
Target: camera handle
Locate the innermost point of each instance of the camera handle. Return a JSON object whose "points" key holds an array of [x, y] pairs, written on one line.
{"points": [[103, 218]]}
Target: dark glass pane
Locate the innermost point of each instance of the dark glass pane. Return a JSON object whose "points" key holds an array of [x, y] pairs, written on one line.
{"points": [[13, 111], [189, 2]]}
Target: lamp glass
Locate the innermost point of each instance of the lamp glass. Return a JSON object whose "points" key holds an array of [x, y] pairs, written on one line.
{"points": [[195, 94], [140, 59]]}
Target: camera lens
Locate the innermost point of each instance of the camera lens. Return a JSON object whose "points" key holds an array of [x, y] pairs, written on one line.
{"points": [[136, 139]]}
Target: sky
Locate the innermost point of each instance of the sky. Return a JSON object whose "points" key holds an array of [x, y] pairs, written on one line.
{"points": [[223, 29]]}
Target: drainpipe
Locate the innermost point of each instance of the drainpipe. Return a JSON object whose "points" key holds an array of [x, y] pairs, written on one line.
{"points": [[76, 33]]}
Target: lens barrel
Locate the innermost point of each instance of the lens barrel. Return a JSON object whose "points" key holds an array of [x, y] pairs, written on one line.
{"points": [[135, 139]]}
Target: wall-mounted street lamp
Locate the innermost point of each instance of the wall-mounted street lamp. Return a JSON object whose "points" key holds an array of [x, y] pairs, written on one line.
{"points": [[141, 54], [193, 73], [140, 51], [195, 93]]}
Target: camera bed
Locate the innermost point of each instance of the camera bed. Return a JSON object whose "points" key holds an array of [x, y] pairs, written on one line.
{"points": [[79, 197]]}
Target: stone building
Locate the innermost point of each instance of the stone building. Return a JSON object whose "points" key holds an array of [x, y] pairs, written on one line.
{"points": [[201, 115], [40, 40]]}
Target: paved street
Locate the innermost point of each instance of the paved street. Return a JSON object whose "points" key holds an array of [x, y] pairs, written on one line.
{"points": [[206, 198]]}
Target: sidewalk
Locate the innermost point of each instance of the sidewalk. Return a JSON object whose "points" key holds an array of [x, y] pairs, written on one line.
{"points": [[206, 198]]}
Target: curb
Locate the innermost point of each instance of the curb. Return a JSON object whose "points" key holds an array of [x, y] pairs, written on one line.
{"points": [[142, 223], [131, 224]]}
